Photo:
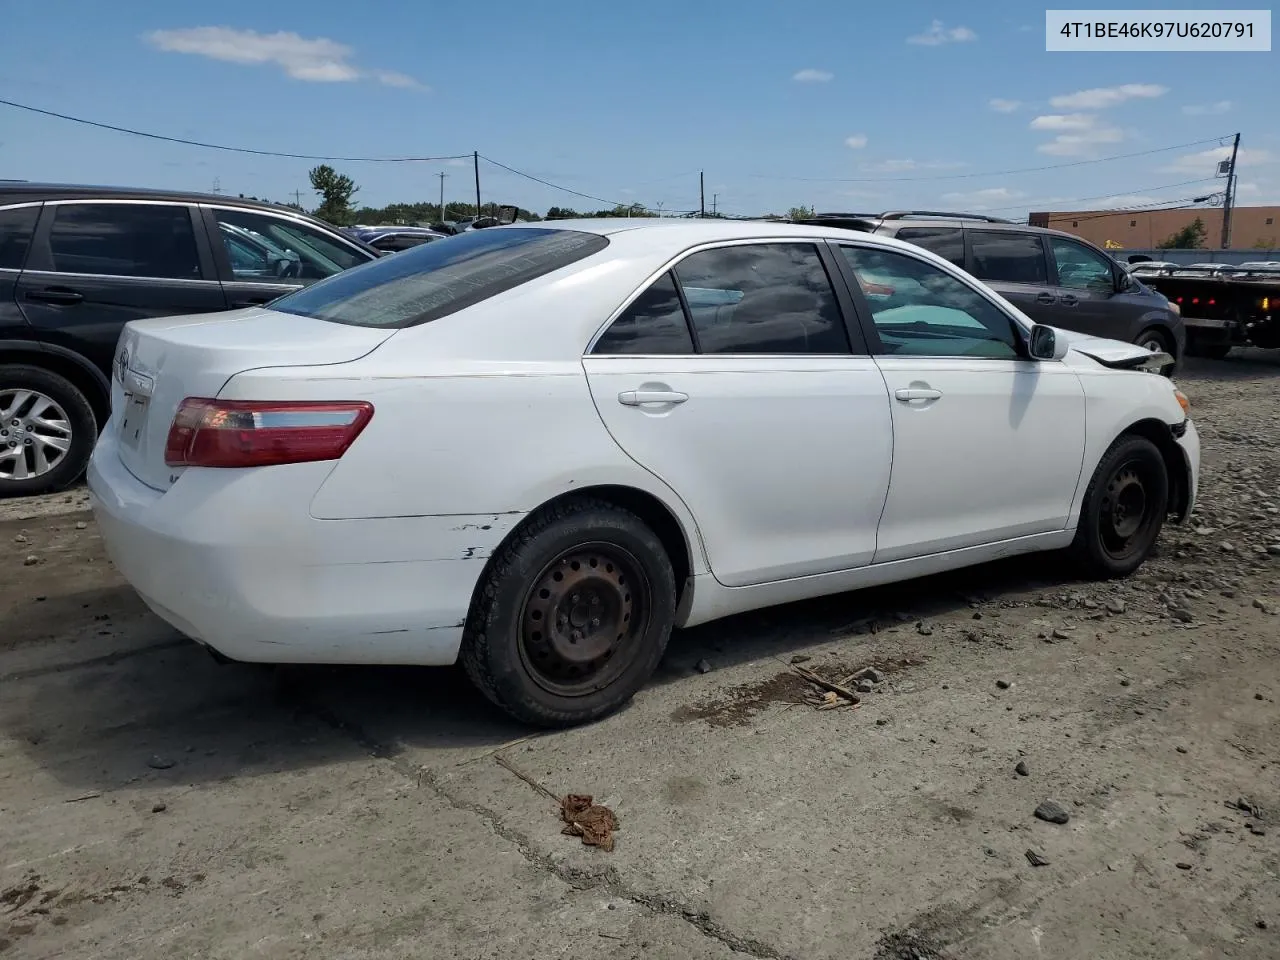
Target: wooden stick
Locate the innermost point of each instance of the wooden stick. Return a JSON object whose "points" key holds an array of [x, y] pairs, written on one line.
{"points": [[508, 765], [827, 684]]}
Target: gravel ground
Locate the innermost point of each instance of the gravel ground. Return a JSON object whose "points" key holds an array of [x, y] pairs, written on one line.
{"points": [[156, 805]]}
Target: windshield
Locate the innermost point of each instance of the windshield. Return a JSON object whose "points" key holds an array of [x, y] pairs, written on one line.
{"points": [[433, 280]]}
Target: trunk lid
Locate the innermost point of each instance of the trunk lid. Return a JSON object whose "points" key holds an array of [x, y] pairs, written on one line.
{"points": [[160, 362]]}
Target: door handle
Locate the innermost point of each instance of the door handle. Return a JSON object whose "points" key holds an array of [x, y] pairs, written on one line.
{"points": [[917, 393], [634, 398], [61, 295], [1045, 298], [1069, 299]]}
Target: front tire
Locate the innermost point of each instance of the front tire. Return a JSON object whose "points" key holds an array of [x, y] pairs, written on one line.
{"points": [[1124, 509], [1157, 341], [47, 431], [573, 616]]}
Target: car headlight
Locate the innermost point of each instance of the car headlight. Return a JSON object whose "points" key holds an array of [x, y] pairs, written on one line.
{"points": [[1174, 308]]}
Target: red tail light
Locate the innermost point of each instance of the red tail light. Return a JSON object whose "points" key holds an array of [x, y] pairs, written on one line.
{"points": [[253, 433]]}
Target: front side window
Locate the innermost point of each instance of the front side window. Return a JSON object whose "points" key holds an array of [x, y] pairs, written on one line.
{"points": [[433, 280], [762, 298], [946, 242], [17, 224], [654, 324], [1008, 257], [1080, 268], [267, 249], [124, 240], [919, 310]]}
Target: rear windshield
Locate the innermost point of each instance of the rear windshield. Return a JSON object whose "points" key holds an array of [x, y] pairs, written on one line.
{"points": [[433, 280]]}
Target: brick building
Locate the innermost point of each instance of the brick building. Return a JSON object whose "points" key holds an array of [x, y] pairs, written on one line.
{"points": [[1251, 227]]}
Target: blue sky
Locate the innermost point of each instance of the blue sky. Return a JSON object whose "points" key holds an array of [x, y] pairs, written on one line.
{"points": [[834, 103]]}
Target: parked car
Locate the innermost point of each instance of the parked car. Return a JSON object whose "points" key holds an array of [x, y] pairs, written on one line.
{"points": [[1053, 277], [541, 447], [76, 263], [394, 239]]}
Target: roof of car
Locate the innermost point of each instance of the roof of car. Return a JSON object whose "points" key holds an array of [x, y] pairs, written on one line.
{"points": [[18, 191], [712, 228]]}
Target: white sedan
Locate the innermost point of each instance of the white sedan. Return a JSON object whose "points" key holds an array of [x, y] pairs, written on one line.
{"points": [[540, 448]]}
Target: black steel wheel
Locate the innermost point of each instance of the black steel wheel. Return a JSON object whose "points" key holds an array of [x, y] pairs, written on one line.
{"points": [[1124, 508], [573, 615]]}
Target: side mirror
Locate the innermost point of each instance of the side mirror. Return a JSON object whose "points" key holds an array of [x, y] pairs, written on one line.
{"points": [[1045, 344]]}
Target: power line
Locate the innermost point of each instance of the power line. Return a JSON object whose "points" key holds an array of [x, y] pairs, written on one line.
{"points": [[548, 183], [992, 173], [219, 146], [1101, 196]]}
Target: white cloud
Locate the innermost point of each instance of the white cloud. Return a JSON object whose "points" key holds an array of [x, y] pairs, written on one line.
{"points": [[1082, 143], [1000, 105], [1064, 121], [1205, 162], [938, 34], [313, 59], [856, 142], [458, 162], [1203, 110], [1100, 98], [903, 166], [984, 199], [810, 75]]}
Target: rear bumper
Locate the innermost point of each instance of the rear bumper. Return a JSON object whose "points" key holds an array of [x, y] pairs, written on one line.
{"points": [[232, 559]]}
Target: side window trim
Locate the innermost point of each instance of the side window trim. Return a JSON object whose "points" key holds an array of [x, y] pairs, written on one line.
{"points": [[35, 230], [1046, 259], [858, 344], [684, 308], [40, 255], [872, 335]]}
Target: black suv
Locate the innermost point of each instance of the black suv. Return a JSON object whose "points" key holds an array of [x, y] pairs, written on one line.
{"points": [[77, 263], [1053, 277]]}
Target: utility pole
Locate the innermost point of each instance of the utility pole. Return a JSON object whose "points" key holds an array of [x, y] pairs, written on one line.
{"points": [[714, 198], [702, 195], [659, 209], [1229, 200], [217, 184], [475, 157], [297, 199], [442, 175]]}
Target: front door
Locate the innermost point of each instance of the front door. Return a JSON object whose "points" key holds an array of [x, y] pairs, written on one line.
{"points": [[261, 256], [1087, 292], [987, 443], [1016, 267], [95, 265], [732, 379]]}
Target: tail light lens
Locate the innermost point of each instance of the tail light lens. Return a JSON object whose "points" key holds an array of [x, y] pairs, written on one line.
{"points": [[253, 433]]}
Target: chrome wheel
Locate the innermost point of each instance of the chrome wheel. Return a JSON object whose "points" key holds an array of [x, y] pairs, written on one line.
{"points": [[1152, 344], [35, 434], [585, 609]]}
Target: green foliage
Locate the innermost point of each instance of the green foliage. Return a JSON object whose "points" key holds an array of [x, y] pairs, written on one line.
{"points": [[799, 213], [1190, 237], [335, 190]]}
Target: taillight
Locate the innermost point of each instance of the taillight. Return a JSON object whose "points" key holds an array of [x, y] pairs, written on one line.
{"points": [[260, 433]]}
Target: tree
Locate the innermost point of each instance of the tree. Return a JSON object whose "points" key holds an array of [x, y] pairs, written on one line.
{"points": [[1190, 237], [335, 190], [799, 213]]}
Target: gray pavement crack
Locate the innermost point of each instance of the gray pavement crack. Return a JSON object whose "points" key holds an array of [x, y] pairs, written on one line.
{"points": [[576, 878]]}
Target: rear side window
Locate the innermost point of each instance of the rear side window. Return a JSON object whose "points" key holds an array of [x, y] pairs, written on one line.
{"points": [[653, 324], [946, 242], [1008, 257], [16, 227], [433, 280], [762, 298], [124, 240]]}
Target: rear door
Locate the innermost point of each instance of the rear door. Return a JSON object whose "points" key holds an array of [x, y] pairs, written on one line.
{"points": [[1016, 266], [95, 265], [1087, 294], [732, 378], [262, 255]]}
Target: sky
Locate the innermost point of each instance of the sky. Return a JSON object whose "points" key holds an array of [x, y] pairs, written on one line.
{"points": [[843, 105]]}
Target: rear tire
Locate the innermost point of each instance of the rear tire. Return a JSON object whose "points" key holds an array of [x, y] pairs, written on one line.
{"points": [[47, 432], [1124, 509], [573, 615]]}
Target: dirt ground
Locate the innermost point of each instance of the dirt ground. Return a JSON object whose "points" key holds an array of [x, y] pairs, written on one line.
{"points": [[154, 804]]}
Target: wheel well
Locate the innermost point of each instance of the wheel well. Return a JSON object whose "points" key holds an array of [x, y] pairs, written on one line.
{"points": [[1165, 335], [1159, 433], [79, 377]]}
